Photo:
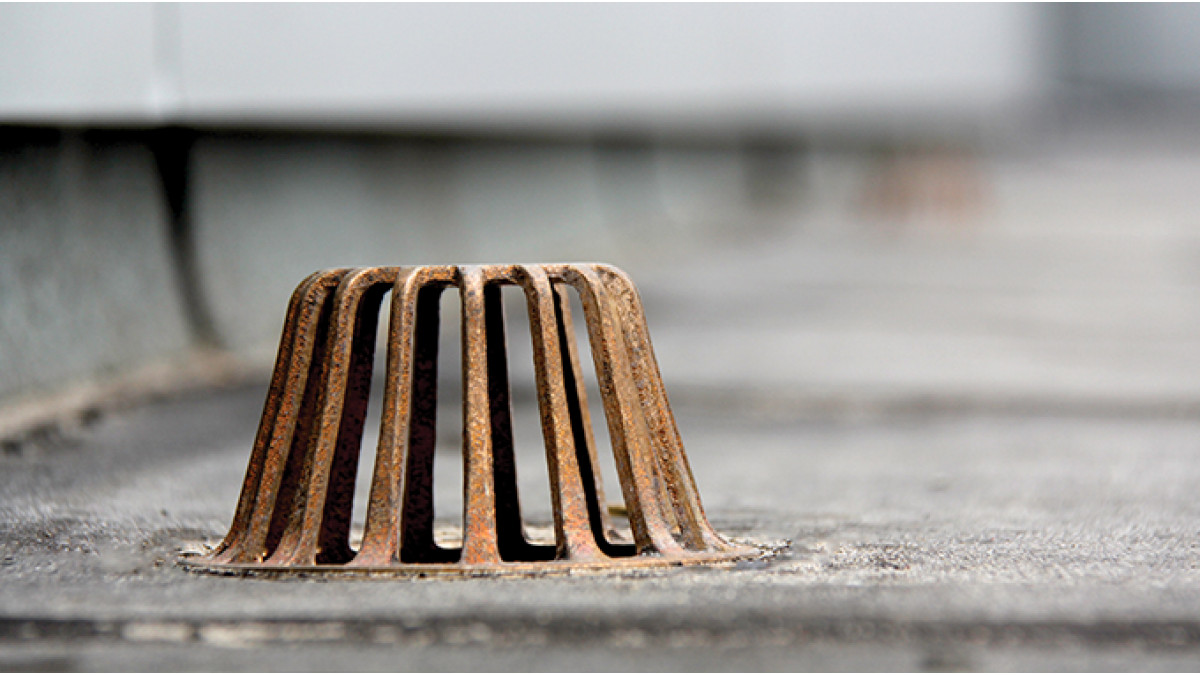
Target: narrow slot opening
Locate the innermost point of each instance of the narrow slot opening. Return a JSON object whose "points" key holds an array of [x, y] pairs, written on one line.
{"points": [[335, 543], [371, 427], [615, 507], [448, 478], [532, 470]]}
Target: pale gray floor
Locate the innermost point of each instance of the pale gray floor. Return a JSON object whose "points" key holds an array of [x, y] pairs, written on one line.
{"points": [[981, 441]]}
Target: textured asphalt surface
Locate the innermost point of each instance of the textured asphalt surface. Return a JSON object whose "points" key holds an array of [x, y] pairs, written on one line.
{"points": [[979, 447]]}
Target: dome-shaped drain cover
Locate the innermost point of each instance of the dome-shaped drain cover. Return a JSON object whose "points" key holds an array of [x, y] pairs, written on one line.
{"points": [[294, 514]]}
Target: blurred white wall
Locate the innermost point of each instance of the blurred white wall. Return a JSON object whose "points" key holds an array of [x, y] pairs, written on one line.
{"points": [[93, 62], [503, 66]]}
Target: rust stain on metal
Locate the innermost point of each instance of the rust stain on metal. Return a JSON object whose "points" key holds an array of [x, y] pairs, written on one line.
{"points": [[294, 513]]}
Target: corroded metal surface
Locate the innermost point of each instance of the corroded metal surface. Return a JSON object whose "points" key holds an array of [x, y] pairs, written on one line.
{"points": [[294, 513]]}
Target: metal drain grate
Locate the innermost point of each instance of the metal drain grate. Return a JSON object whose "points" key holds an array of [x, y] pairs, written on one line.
{"points": [[295, 507]]}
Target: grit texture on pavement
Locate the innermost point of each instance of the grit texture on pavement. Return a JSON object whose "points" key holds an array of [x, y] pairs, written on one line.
{"points": [[978, 446]]}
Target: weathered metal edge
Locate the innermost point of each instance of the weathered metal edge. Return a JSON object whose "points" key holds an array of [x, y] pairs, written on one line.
{"points": [[632, 565]]}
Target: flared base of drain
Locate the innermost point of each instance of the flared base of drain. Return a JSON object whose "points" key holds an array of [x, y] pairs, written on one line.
{"points": [[631, 564]]}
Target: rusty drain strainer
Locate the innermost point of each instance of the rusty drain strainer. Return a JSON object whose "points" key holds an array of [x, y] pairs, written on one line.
{"points": [[294, 512]]}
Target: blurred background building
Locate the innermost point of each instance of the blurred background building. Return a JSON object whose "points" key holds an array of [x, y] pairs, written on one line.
{"points": [[169, 172]]}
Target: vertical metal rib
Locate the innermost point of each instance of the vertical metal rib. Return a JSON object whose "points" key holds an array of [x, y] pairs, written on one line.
{"points": [[284, 455], [416, 518], [697, 533], [574, 517], [333, 545], [312, 452], [480, 538], [231, 548], [650, 523], [320, 532], [381, 534], [664, 420], [581, 421]]}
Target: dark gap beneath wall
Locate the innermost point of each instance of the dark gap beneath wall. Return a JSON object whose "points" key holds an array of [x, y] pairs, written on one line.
{"points": [[172, 149]]}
